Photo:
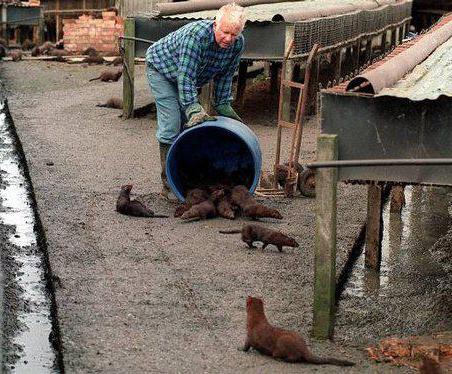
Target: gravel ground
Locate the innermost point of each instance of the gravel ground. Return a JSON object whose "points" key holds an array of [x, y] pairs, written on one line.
{"points": [[159, 295]]}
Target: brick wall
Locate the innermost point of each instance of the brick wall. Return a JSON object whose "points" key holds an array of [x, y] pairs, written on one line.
{"points": [[99, 33]]}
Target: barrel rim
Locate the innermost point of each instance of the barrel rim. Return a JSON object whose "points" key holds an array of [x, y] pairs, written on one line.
{"points": [[257, 158]]}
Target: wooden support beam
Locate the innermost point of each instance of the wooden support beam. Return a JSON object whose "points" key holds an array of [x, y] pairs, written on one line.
{"points": [[393, 37], [129, 69], [325, 239], [368, 54], [383, 42], [287, 74], [397, 199], [205, 98], [241, 83], [336, 62], [355, 55], [274, 71], [373, 227], [5, 23], [311, 107]]}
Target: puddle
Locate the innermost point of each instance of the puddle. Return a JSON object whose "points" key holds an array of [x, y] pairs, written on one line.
{"points": [[36, 352], [405, 244]]}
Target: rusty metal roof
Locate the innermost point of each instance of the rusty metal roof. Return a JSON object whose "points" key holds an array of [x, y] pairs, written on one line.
{"points": [[428, 80], [292, 11], [418, 84]]}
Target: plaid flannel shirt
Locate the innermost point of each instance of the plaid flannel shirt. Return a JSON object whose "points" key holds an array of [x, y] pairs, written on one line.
{"points": [[191, 57]]}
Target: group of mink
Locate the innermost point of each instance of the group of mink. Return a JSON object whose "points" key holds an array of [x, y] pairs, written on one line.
{"points": [[217, 201], [226, 202]]}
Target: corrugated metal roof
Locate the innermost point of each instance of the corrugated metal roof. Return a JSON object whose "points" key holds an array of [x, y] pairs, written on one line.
{"points": [[428, 80], [279, 11]]}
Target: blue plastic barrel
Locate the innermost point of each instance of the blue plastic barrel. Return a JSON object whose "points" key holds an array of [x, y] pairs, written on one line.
{"points": [[224, 151]]}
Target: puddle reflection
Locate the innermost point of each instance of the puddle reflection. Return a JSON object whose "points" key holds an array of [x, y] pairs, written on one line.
{"points": [[405, 244]]}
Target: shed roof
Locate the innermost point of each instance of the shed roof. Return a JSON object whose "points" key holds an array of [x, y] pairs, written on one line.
{"points": [[292, 11]]}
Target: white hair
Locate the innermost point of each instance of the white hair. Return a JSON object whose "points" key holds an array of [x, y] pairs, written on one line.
{"points": [[233, 14]]}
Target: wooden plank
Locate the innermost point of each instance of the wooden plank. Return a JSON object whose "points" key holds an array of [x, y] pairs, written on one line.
{"points": [[373, 228], [129, 69], [285, 124], [325, 240], [293, 84]]}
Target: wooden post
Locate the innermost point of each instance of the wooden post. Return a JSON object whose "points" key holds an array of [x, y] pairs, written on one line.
{"points": [[57, 20], [205, 98], [311, 106], [336, 61], [325, 239], [5, 23], [397, 199], [393, 37], [288, 74], [274, 70], [383, 42], [356, 52], [368, 53], [373, 228], [241, 83], [129, 69]]}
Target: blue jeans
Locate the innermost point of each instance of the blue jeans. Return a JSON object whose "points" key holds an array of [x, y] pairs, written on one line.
{"points": [[170, 115]]}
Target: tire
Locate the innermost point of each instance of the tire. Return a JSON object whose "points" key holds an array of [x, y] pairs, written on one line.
{"points": [[306, 183]]}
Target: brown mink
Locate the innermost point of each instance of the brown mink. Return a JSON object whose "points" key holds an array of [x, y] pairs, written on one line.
{"points": [[112, 102], [281, 344], [203, 210], [133, 207], [194, 196], [109, 75], [255, 233], [222, 200], [116, 62], [250, 207]]}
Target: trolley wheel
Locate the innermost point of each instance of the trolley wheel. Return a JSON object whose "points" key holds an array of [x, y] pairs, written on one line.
{"points": [[306, 183]]}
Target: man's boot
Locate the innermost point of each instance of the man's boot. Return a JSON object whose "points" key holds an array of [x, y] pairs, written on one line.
{"points": [[163, 153]]}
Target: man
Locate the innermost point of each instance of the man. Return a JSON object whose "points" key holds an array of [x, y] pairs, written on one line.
{"points": [[181, 62]]}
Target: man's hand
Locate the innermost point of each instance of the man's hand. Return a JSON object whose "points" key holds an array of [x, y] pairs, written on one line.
{"points": [[196, 115], [226, 110]]}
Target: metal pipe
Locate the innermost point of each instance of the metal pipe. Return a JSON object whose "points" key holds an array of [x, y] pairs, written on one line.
{"points": [[387, 162], [388, 73]]}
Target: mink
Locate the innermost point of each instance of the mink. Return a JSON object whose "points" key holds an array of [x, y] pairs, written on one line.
{"points": [[281, 344], [133, 208], [255, 233], [112, 102], [109, 75], [116, 62], [203, 210], [250, 207], [194, 196]]}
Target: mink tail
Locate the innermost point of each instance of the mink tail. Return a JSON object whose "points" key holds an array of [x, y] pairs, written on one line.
{"points": [[329, 361], [93, 79], [102, 105], [160, 216], [230, 231]]}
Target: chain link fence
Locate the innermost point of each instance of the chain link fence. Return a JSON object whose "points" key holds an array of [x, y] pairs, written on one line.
{"points": [[344, 28]]}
